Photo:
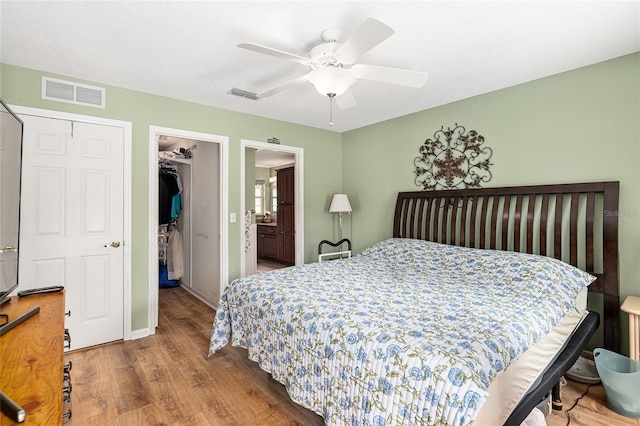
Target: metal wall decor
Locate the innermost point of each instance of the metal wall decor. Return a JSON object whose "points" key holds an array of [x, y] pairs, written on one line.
{"points": [[453, 159]]}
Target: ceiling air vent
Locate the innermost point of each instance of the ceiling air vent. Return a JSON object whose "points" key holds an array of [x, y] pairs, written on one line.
{"points": [[75, 93], [243, 93]]}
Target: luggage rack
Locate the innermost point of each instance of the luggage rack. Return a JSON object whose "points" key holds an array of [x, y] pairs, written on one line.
{"points": [[342, 254]]}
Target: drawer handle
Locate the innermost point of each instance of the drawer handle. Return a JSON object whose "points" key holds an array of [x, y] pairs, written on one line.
{"points": [[67, 415]]}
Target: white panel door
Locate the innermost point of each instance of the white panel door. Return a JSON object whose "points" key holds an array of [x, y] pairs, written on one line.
{"points": [[72, 222]]}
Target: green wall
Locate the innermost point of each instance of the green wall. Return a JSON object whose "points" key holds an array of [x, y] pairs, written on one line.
{"points": [[582, 125], [322, 159], [578, 126]]}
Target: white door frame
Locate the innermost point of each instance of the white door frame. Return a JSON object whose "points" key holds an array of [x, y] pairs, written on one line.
{"points": [[298, 154], [223, 142], [126, 127]]}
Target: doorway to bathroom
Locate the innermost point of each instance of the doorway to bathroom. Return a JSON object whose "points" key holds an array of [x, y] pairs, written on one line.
{"points": [[272, 201]]}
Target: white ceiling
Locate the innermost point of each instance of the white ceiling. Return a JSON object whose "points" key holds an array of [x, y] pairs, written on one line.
{"points": [[269, 158], [188, 50]]}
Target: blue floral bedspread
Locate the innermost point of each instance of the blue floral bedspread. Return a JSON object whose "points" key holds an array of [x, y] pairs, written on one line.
{"points": [[406, 332]]}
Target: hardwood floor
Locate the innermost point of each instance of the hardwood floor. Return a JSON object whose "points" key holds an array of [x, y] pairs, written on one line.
{"points": [[267, 265], [167, 379], [591, 409]]}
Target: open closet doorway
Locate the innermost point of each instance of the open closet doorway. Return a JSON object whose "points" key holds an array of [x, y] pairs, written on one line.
{"points": [[272, 200], [188, 231]]}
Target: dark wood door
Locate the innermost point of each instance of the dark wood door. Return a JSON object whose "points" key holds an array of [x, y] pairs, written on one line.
{"points": [[286, 184], [267, 242], [286, 216], [269, 246], [286, 233]]}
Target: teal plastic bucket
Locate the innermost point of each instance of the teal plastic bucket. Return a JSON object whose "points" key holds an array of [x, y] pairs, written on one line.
{"points": [[620, 376]]}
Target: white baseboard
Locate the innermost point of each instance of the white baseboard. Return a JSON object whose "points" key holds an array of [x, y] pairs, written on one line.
{"points": [[139, 334], [199, 297]]}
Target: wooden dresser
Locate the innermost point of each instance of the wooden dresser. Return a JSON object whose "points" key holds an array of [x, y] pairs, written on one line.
{"points": [[32, 359]]}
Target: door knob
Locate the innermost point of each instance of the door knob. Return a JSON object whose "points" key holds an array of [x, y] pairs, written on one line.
{"points": [[114, 244]]}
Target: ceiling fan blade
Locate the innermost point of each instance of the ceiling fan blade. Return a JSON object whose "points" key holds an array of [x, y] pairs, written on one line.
{"points": [[371, 33], [282, 87], [274, 52], [346, 100], [402, 77]]}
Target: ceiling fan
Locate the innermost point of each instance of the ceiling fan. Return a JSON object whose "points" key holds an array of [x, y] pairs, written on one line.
{"points": [[333, 64]]}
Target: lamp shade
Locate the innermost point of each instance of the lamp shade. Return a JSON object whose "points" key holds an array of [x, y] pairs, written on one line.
{"points": [[340, 204], [335, 80]]}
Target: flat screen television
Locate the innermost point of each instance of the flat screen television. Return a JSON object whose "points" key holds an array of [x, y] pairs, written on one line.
{"points": [[11, 131]]}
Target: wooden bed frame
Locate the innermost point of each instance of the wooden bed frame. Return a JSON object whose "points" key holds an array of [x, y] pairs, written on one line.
{"points": [[576, 223]]}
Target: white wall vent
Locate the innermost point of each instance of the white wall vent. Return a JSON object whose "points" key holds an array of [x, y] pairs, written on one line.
{"points": [[74, 93]]}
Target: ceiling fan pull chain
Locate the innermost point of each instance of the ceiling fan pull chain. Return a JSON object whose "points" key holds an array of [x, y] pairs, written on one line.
{"points": [[331, 96]]}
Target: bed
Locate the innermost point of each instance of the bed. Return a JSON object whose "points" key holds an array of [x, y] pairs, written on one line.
{"points": [[421, 328]]}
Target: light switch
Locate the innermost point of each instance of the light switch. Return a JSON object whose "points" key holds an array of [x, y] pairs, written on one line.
{"points": [[233, 218]]}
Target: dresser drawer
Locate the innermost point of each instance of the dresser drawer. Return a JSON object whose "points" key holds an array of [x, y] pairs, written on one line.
{"points": [[266, 229]]}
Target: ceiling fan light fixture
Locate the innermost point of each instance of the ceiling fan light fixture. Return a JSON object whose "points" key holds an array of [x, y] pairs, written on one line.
{"points": [[334, 80]]}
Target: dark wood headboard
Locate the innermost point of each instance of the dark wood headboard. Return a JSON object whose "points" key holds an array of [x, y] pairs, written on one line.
{"points": [[576, 223]]}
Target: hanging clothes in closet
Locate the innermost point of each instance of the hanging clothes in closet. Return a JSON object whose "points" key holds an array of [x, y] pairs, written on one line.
{"points": [[169, 207], [175, 257], [169, 200]]}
